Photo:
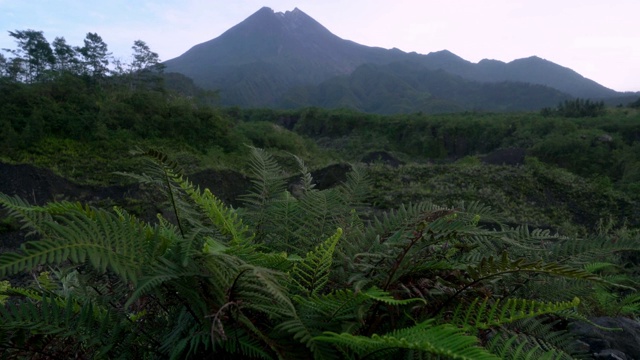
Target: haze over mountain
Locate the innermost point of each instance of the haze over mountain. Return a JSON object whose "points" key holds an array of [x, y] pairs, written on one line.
{"points": [[289, 59]]}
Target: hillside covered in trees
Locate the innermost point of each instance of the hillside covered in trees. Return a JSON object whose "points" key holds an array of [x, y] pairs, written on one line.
{"points": [[342, 234]]}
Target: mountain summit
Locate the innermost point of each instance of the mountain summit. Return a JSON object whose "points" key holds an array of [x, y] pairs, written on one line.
{"points": [[270, 54], [259, 59]]}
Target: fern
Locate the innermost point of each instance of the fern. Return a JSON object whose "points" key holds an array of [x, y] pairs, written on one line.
{"points": [[520, 347], [78, 233], [441, 340], [4, 287], [319, 213], [225, 220], [91, 330], [268, 185], [312, 274], [260, 289], [273, 280], [356, 189], [167, 175], [489, 267], [31, 217], [485, 314]]}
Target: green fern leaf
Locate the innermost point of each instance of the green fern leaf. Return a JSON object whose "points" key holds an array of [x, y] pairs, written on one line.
{"points": [[225, 219], [486, 314], [84, 234], [378, 294], [440, 340], [312, 274], [490, 267]]}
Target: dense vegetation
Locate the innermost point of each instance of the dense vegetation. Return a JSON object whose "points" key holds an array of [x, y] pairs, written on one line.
{"points": [[406, 87], [430, 250]]}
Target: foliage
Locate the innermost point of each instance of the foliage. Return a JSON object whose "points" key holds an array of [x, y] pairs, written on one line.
{"points": [[302, 274], [410, 87], [301, 271], [576, 109]]}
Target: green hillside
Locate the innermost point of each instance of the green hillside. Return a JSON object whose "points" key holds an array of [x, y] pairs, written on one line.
{"points": [[178, 229]]}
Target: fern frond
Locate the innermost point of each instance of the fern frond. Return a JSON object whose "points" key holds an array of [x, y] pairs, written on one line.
{"points": [[82, 233], [548, 334], [340, 310], [318, 215], [592, 249], [490, 267], [31, 216], [305, 176], [260, 289], [238, 342], [168, 176], [600, 267], [157, 273], [440, 340], [88, 325], [224, 218], [356, 189], [521, 347], [268, 180], [523, 237], [486, 314], [629, 305], [4, 287], [477, 212], [385, 297], [312, 274]]}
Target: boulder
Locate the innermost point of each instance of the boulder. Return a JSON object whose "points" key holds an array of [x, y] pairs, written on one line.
{"points": [[609, 344]]}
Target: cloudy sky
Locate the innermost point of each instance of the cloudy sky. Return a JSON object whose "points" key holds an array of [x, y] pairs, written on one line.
{"points": [[598, 39]]}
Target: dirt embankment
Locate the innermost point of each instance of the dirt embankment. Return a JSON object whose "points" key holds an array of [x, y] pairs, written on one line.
{"points": [[39, 186]]}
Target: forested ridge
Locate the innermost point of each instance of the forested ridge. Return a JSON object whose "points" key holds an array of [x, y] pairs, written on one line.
{"points": [[469, 235]]}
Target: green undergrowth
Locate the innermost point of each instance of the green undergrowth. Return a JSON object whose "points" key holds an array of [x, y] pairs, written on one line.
{"points": [[303, 275], [95, 162], [536, 194]]}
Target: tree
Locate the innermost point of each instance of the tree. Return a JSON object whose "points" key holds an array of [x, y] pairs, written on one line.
{"points": [[4, 67], [65, 54], [95, 55], [576, 108], [15, 69], [144, 58], [34, 51], [145, 69]]}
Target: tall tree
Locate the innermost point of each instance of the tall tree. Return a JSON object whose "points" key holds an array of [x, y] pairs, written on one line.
{"points": [[144, 58], [145, 67], [66, 55], [95, 55], [4, 67], [35, 52]]}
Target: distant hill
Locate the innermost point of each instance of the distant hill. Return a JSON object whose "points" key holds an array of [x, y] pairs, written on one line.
{"points": [[402, 87], [289, 59]]}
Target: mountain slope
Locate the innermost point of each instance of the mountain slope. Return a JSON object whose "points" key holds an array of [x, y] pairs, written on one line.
{"points": [[270, 52], [546, 73], [405, 87], [532, 70], [260, 60]]}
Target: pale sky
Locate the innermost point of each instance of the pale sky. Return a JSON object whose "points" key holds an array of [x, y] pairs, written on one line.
{"points": [[599, 39]]}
